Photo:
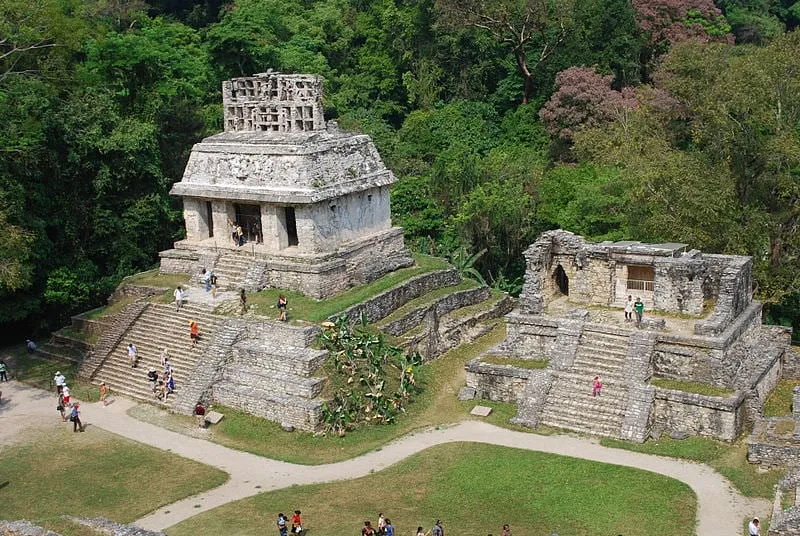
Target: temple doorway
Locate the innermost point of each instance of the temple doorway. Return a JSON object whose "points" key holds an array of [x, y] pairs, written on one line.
{"points": [[291, 227], [562, 280], [249, 218]]}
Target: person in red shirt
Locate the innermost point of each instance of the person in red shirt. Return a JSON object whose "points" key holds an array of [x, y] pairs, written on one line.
{"points": [[297, 525]]}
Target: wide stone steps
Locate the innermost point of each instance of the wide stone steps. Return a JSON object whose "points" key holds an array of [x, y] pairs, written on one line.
{"points": [[584, 424], [231, 270], [596, 364], [158, 327]]}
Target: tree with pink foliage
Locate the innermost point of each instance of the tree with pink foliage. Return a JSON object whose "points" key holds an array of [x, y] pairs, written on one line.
{"points": [[671, 21], [583, 98]]}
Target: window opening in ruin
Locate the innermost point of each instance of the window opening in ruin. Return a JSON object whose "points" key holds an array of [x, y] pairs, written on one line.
{"points": [[210, 219], [249, 218], [291, 226], [562, 281], [640, 278]]}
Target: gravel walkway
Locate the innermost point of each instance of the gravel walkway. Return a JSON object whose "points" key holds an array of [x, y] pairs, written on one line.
{"points": [[720, 512]]}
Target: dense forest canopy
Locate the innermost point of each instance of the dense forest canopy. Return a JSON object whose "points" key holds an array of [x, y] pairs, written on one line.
{"points": [[643, 119]]}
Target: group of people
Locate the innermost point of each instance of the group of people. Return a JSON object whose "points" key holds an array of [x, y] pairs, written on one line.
{"points": [[163, 385], [634, 307], [284, 527], [238, 233], [65, 403], [386, 528], [209, 281]]}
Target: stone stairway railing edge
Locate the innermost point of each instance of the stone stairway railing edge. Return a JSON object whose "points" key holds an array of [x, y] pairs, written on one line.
{"points": [[209, 367], [111, 338], [443, 305]]}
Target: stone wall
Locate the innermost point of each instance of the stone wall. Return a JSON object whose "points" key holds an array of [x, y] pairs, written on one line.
{"points": [[90, 326], [501, 383], [734, 294], [390, 300], [791, 363], [709, 416], [300, 413], [529, 335], [769, 447], [786, 522], [678, 285], [179, 261], [443, 305], [125, 290]]}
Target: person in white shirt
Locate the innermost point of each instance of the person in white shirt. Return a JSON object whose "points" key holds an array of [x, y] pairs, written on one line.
{"points": [[60, 381], [132, 354], [754, 528], [629, 309], [178, 298]]}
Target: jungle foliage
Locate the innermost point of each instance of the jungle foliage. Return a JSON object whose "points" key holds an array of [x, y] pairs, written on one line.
{"points": [[651, 120]]}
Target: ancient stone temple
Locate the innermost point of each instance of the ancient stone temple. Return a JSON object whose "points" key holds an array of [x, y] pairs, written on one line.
{"points": [[701, 327], [311, 202]]}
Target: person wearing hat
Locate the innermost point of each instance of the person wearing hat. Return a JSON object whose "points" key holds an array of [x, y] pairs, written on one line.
{"points": [[754, 528], [74, 416], [60, 381]]}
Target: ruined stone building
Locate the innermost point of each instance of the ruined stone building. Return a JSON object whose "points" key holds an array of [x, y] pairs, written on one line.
{"points": [[312, 201], [701, 326]]}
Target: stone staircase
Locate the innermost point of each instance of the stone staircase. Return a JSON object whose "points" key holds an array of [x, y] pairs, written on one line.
{"points": [[231, 269], [570, 404], [275, 382], [159, 326]]}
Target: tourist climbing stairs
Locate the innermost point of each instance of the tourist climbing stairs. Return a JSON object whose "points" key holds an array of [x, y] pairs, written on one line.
{"points": [[231, 269], [160, 326], [570, 404]]}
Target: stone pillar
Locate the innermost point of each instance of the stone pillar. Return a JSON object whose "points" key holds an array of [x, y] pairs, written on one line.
{"points": [[796, 402], [273, 225], [195, 228], [306, 234], [220, 213]]}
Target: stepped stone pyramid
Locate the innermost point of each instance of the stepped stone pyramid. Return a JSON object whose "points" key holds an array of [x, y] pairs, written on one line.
{"points": [[700, 326]]}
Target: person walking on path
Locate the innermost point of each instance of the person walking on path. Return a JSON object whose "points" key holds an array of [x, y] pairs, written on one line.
{"points": [[297, 523], [103, 392], [243, 302], [3, 371], [629, 309], [194, 333], [281, 524], [597, 386], [367, 529], [639, 308], [60, 407], [437, 529], [60, 381], [75, 417], [132, 354], [754, 527], [213, 280], [178, 294], [282, 303]]}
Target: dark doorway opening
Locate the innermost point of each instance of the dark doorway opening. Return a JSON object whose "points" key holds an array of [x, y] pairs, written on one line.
{"points": [[291, 226], [249, 218], [210, 219], [562, 280]]}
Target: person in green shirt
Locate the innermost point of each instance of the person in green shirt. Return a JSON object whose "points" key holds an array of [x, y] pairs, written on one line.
{"points": [[638, 306]]}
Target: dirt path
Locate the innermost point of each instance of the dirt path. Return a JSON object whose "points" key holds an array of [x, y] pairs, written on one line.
{"points": [[720, 508]]}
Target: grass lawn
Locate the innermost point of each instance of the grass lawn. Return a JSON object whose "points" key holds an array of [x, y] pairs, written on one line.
{"points": [[730, 460], [152, 278], [106, 310], [518, 362], [779, 402], [94, 474], [474, 489], [39, 373], [437, 404], [307, 309], [427, 299], [691, 387]]}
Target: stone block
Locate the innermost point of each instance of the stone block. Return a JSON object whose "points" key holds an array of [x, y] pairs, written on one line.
{"points": [[467, 393], [213, 417], [481, 411]]}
